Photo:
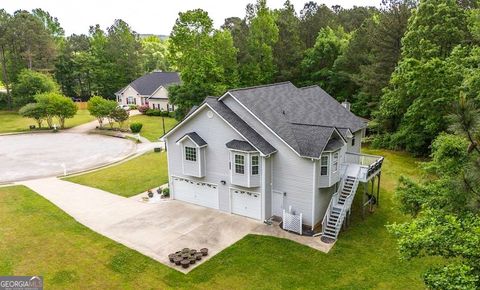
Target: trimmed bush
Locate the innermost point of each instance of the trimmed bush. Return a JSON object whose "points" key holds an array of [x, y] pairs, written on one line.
{"points": [[166, 192], [158, 113], [132, 107], [136, 127], [143, 109]]}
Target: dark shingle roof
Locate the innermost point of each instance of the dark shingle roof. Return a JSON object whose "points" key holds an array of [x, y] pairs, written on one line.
{"points": [[240, 145], [303, 117], [243, 128], [195, 138], [333, 144], [149, 83]]}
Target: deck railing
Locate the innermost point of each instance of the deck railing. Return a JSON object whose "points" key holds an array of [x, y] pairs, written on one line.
{"points": [[369, 164]]}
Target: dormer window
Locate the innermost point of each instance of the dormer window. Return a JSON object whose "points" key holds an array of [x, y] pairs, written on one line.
{"points": [[239, 164], [193, 151], [335, 162], [191, 154], [244, 163], [255, 165], [324, 166]]}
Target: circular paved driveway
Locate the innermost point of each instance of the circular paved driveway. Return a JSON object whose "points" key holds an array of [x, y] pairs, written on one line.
{"points": [[28, 156]]}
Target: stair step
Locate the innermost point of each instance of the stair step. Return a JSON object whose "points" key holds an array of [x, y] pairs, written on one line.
{"points": [[330, 232], [329, 235]]}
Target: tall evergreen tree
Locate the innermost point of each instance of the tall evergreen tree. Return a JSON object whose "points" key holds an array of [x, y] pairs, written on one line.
{"points": [[260, 67], [313, 18], [289, 48]]}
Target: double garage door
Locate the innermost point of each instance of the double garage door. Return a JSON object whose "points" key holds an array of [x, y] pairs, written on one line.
{"points": [[204, 194], [243, 203]]}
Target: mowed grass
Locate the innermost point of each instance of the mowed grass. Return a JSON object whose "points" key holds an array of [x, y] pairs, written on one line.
{"points": [[38, 238], [152, 126], [128, 178], [13, 122]]}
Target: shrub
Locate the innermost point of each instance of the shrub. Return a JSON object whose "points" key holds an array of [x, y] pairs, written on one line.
{"points": [[30, 83], [132, 107], [143, 109], [136, 127], [119, 115], [34, 111], [152, 112], [56, 105], [101, 108], [166, 192]]}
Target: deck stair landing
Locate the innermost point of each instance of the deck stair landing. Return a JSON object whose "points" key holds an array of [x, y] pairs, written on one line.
{"points": [[339, 207]]}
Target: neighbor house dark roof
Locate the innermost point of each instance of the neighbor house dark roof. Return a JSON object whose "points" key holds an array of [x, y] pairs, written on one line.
{"points": [[195, 138], [240, 145], [243, 128], [149, 83], [305, 118]]}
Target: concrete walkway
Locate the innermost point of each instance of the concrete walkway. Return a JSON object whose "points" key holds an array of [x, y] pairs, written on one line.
{"points": [[154, 230]]}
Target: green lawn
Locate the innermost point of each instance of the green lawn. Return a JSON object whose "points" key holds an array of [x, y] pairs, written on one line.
{"points": [[38, 238], [129, 178], [12, 122], [153, 126]]}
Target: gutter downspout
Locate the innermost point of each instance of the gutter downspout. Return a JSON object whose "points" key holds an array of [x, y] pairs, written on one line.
{"points": [[314, 191]]}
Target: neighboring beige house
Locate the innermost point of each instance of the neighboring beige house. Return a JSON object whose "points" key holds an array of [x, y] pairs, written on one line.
{"points": [[150, 89]]}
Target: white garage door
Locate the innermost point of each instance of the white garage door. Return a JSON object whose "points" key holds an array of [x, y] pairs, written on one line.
{"points": [[246, 203], [204, 194]]}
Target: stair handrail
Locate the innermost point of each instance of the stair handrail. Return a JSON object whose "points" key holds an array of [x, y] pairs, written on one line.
{"points": [[333, 200], [346, 205]]}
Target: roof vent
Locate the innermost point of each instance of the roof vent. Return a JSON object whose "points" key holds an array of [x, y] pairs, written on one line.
{"points": [[346, 105]]}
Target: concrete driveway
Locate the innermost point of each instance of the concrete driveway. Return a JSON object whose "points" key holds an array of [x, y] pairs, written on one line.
{"points": [[155, 230], [27, 156]]}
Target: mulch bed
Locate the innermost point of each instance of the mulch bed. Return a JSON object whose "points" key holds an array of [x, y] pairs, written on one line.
{"points": [[187, 257]]}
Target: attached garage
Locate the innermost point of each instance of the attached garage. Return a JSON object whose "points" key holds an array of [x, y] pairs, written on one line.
{"points": [[246, 203], [196, 192]]}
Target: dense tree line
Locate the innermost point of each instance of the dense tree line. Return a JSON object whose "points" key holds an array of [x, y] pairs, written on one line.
{"points": [[99, 63], [401, 65], [351, 53]]}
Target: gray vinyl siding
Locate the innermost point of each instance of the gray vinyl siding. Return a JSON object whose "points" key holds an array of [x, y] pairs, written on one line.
{"points": [[322, 199], [358, 142], [216, 133], [267, 192], [291, 173]]}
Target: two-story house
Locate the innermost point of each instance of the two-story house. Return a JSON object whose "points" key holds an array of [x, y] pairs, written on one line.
{"points": [[150, 89], [258, 151]]}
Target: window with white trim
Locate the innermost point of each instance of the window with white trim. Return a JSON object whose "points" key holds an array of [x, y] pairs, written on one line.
{"points": [[239, 164], [335, 162], [191, 154], [130, 100], [353, 140], [324, 165], [255, 165]]}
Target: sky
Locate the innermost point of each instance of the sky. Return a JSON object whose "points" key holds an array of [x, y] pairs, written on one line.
{"points": [[147, 16]]}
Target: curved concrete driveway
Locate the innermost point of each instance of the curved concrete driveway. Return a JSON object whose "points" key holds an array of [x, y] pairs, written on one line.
{"points": [[27, 156]]}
